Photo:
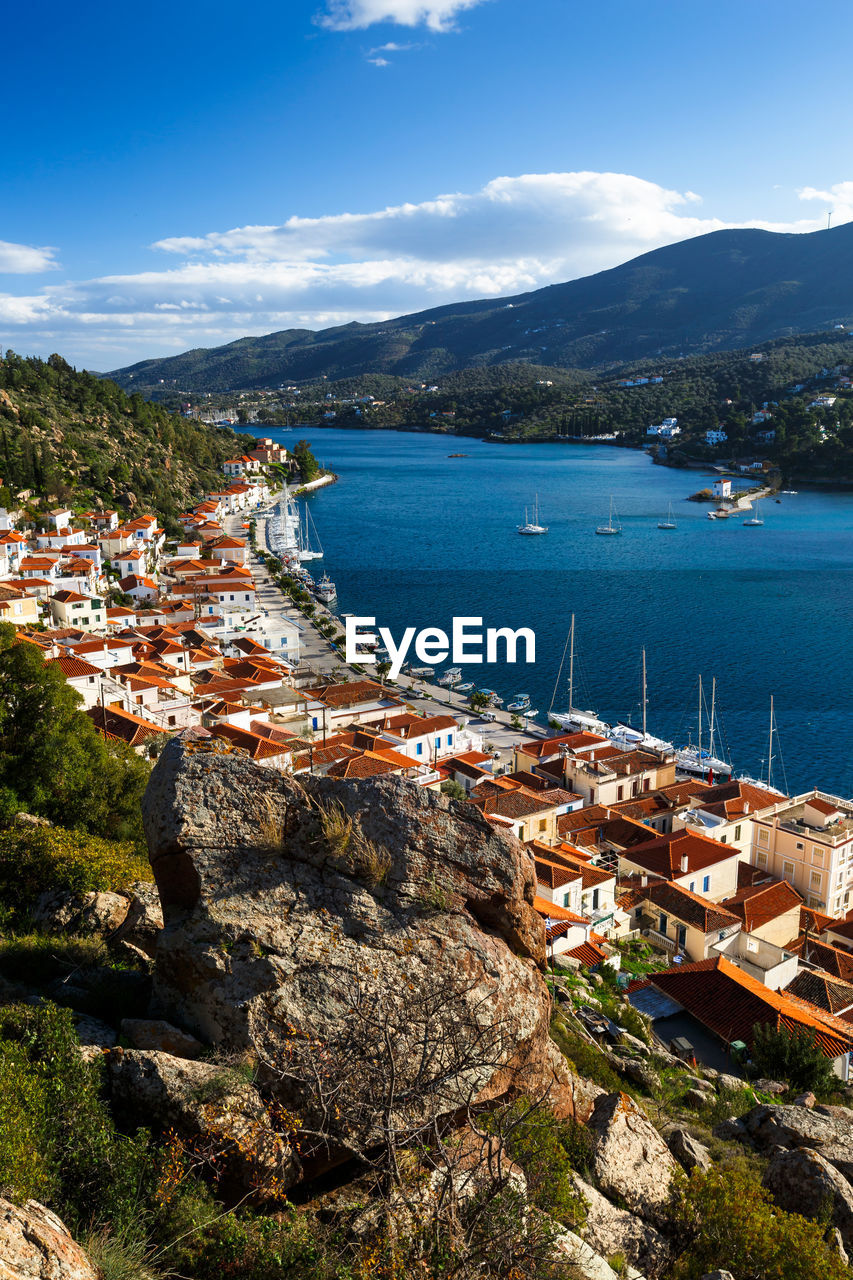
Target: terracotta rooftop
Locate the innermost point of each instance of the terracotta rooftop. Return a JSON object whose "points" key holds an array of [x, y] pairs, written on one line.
{"points": [[758, 904], [690, 908], [823, 989], [731, 1003], [663, 855]]}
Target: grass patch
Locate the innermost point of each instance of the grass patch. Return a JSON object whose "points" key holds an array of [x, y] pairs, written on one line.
{"points": [[345, 840], [39, 957]]}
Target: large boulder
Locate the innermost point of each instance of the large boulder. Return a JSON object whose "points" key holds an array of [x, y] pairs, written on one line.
{"points": [[280, 894], [610, 1230], [802, 1181], [36, 1245], [581, 1261], [216, 1108], [58, 911], [631, 1159], [828, 1130], [689, 1152]]}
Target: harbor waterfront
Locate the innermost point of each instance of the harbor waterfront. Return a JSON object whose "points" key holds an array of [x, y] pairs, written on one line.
{"points": [[415, 537]]}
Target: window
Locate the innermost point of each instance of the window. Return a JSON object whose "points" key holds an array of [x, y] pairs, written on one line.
{"points": [[799, 846], [751, 944], [662, 923], [567, 897], [817, 856], [438, 744], [722, 839], [787, 868], [450, 739], [692, 886], [737, 832], [620, 791], [763, 836], [814, 902], [762, 859], [595, 899], [815, 879], [171, 719], [706, 884], [646, 784], [543, 822], [419, 749]]}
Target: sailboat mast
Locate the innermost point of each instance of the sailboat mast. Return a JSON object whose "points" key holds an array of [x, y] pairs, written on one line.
{"points": [[572, 665], [700, 725], [770, 747], [644, 694], [713, 701]]}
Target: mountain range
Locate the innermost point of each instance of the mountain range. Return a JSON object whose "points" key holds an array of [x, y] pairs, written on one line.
{"points": [[720, 291]]}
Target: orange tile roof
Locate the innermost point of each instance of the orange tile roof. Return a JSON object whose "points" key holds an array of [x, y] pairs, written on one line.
{"points": [[662, 856], [731, 1003], [589, 954], [757, 905]]}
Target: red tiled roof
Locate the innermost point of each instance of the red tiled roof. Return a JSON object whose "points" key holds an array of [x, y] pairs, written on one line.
{"points": [[689, 908], [589, 954], [663, 855], [756, 905], [72, 668], [731, 1003], [123, 726]]}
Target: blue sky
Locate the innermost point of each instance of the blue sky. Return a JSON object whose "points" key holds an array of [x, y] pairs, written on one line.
{"points": [[182, 174]]}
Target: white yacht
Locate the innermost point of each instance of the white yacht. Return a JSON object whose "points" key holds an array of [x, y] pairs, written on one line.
{"points": [[532, 527], [755, 518], [450, 677], [697, 761], [669, 522], [521, 702], [310, 547], [572, 718], [612, 526]]}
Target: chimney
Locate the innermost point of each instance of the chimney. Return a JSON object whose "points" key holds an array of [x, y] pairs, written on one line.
{"points": [[644, 880], [684, 865]]}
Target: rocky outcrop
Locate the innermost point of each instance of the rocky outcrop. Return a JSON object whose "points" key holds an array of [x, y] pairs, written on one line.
{"points": [[583, 1263], [59, 912], [144, 920], [610, 1231], [154, 1033], [631, 1159], [689, 1153], [234, 1133], [277, 893], [36, 1245], [802, 1181], [828, 1130]]}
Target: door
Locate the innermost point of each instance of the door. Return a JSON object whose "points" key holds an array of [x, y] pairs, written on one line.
{"points": [[681, 937]]}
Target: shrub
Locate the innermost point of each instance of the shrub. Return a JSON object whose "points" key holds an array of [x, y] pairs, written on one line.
{"points": [[791, 1056], [41, 957], [33, 859], [726, 1219], [58, 1143], [584, 1057], [548, 1150]]}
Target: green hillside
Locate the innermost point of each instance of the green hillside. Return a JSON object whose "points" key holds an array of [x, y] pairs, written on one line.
{"points": [[78, 437], [716, 292]]}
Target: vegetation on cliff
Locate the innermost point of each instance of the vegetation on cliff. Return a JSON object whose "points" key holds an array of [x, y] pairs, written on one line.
{"points": [[79, 438]]}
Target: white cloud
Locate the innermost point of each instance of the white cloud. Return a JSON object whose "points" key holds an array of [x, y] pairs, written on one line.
{"points": [[512, 235], [379, 62], [839, 198], [25, 259], [355, 15]]}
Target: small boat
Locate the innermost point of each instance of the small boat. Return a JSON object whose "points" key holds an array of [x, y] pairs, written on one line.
{"points": [[610, 527], [459, 455], [754, 519], [669, 522], [532, 527], [325, 590], [521, 703], [789, 493], [464, 688], [450, 676], [421, 671]]}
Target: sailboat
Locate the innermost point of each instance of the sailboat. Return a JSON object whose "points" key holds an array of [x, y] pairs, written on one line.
{"points": [[610, 527], [693, 760], [669, 522], [308, 549], [755, 518], [533, 526], [629, 738], [580, 721]]}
